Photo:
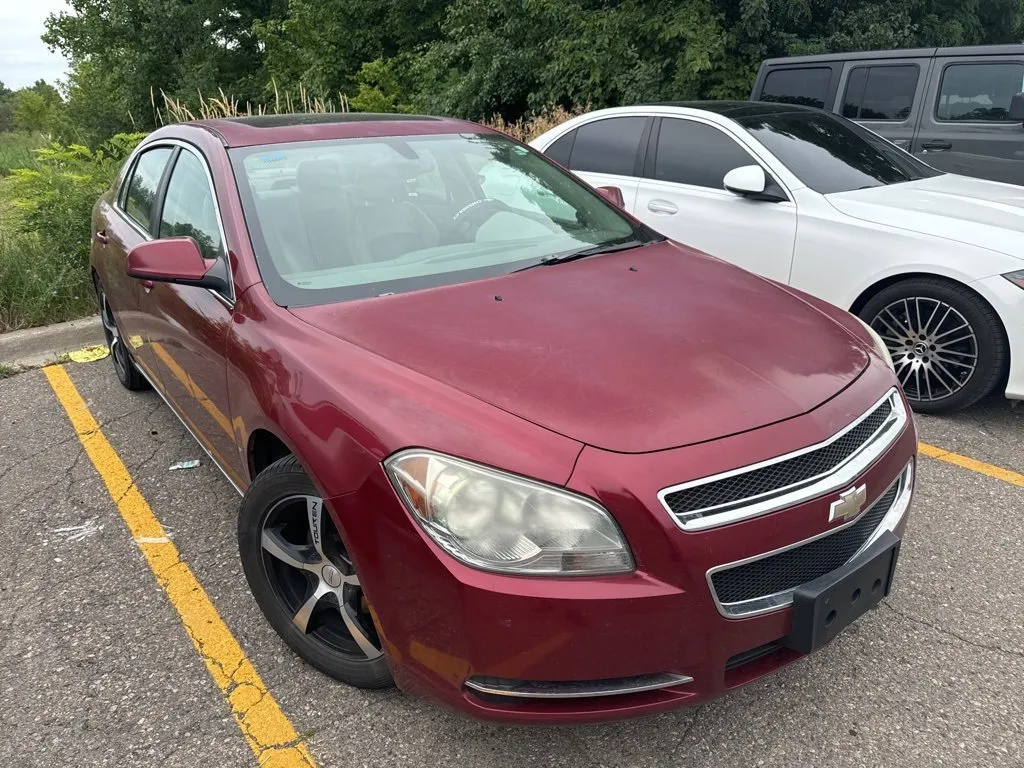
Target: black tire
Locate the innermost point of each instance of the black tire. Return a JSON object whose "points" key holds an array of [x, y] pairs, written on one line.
{"points": [[124, 366], [271, 504], [934, 353]]}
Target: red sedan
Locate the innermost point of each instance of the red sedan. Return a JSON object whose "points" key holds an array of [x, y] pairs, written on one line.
{"points": [[497, 441]]}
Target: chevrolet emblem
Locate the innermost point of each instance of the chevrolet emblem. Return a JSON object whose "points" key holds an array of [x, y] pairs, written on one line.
{"points": [[848, 505]]}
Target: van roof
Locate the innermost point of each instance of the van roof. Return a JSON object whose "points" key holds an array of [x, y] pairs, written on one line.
{"points": [[1012, 49]]}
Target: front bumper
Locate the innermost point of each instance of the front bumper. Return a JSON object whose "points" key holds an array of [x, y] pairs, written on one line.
{"points": [[444, 624]]}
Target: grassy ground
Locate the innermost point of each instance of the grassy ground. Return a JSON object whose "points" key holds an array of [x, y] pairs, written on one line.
{"points": [[37, 287], [16, 150]]}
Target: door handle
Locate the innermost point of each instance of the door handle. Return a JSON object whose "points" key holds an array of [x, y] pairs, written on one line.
{"points": [[101, 237], [662, 206], [937, 145]]}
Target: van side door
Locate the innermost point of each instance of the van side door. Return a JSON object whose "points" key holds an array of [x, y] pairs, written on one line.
{"points": [[965, 126], [885, 96]]}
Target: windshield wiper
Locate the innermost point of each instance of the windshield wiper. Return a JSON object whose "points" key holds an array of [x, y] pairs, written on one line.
{"points": [[595, 250]]}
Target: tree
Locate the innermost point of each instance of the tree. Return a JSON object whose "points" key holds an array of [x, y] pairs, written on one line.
{"points": [[140, 48], [6, 108], [35, 108], [471, 58]]}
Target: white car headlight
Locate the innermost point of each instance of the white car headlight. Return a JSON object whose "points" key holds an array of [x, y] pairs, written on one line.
{"points": [[879, 344], [501, 522]]}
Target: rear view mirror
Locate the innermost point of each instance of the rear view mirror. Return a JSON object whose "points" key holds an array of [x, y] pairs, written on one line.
{"points": [[176, 260], [1017, 108], [746, 180], [613, 195]]}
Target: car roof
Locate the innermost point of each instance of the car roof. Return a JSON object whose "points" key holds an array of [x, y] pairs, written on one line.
{"points": [[736, 109], [276, 129], [1011, 49]]}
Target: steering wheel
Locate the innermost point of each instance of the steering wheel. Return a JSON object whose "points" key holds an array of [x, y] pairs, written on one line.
{"points": [[467, 222]]}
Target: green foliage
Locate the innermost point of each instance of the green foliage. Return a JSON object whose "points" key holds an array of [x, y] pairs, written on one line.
{"points": [[44, 229], [380, 86], [471, 58], [124, 51]]}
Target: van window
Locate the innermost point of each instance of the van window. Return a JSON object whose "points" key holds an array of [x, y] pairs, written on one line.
{"points": [[807, 86], [880, 93], [608, 146], [978, 92], [697, 154]]}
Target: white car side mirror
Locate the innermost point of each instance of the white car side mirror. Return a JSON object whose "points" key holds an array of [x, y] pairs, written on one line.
{"points": [[746, 180]]}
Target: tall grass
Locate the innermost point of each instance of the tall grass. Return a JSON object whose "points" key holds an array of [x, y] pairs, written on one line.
{"points": [[16, 150], [528, 129], [172, 110], [39, 285]]}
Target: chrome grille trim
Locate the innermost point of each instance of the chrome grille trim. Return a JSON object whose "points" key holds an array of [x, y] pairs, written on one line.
{"points": [[583, 689], [779, 600], [797, 493]]}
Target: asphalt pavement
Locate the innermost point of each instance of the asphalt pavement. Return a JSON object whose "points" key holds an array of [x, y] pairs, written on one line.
{"points": [[96, 668]]}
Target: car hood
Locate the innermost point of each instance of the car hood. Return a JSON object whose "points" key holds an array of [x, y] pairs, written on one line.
{"points": [[638, 351], [978, 212]]}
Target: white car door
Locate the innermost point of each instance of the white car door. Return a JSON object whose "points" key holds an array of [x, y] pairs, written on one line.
{"points": [[682, 197], [605, 153]]}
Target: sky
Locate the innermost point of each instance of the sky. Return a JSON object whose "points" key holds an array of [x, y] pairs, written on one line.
{"points": [[24, 58]]}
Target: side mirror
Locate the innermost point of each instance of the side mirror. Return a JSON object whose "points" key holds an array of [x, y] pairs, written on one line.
{"points": [[176, 260], [746, 181], [1017, 108], [613, 195]]}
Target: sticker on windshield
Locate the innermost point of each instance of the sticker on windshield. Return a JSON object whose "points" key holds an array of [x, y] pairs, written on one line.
{"points": [[277, 157]]}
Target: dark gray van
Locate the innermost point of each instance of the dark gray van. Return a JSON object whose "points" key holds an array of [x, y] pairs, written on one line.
{"points": [[953, 107]]}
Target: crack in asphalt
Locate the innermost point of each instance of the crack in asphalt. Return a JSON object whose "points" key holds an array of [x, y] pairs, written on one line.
{"points": [[954, 635]]}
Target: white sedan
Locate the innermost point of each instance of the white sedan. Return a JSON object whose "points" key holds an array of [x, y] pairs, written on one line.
{"points": [[934, 262]]}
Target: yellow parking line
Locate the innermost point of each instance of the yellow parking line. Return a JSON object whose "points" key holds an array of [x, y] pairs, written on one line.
{"points": [[265, 727], [990, 470]]}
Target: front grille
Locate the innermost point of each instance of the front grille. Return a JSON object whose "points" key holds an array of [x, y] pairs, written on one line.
{"points": [[788, 570], [688, 503]]}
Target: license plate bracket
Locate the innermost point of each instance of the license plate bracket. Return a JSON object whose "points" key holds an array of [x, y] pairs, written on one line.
{"points": [[826, 606]]}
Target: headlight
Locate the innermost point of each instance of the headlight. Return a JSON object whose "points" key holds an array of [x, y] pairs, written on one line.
{"points": [[1017, 278], [501, 522], [879, 344]]}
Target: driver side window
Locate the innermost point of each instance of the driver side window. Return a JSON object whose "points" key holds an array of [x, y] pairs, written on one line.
{"points": [[189, 209]]}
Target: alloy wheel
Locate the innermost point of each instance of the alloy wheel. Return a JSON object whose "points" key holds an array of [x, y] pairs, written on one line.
{"points": [[118, 352], [313, 577], [933, 346]]}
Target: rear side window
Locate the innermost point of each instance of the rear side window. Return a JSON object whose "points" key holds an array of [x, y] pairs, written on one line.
{"points": [[807, 86], [697, 154], [189, 209], [608, 146], [880, 93], [979, 92], [138, 200], [561, 149]]}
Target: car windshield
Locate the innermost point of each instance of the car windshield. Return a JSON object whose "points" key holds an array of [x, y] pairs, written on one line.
{"points": [[353, 218], [831, 154]]}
